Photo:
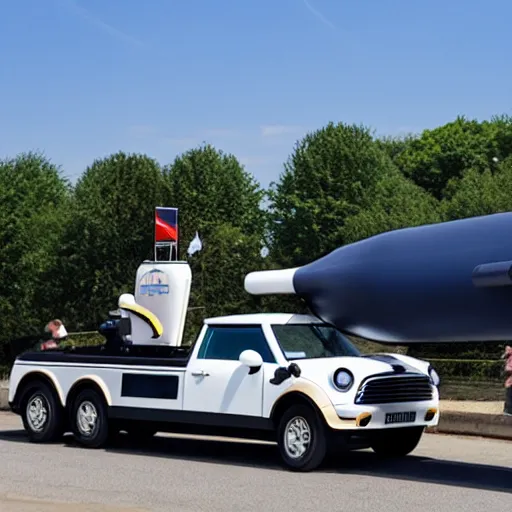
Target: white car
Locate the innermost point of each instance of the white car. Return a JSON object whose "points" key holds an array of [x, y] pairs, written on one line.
{"points": [[283, 377]]}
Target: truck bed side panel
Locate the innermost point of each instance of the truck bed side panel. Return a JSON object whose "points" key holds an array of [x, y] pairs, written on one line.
{"points": [[152, 387]]}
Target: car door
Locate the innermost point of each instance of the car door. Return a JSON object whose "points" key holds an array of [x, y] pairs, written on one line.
{"points": [[216, 381]]}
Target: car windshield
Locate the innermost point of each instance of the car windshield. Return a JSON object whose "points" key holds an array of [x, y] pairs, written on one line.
{"points": [[308, 341]]}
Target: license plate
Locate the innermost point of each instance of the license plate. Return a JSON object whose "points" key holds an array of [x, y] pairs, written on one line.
{"points": [[400, 417]]}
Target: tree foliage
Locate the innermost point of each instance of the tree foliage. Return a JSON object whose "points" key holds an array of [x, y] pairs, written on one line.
{"points": [[34, 199], [481, 193], [220, 200], [334, 174], [440, 157], [210, 188], [110, 232], [397, 203]]}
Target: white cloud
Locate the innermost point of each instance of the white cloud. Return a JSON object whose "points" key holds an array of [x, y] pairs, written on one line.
{"points": [[275, 130], [318, 14], [100, 24]]}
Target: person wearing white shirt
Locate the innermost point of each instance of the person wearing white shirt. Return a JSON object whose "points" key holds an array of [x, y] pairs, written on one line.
{"points": [[58, 332]]}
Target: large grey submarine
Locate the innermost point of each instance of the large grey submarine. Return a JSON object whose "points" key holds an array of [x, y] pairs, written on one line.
{"points": [[444, 282]]}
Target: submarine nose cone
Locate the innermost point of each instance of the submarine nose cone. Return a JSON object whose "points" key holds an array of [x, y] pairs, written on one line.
{"points": [[269, 282]]}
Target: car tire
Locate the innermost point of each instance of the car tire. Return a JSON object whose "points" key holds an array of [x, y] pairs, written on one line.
{"points": [[302, 438], [89, 419], [396, 442], [42, 414]]}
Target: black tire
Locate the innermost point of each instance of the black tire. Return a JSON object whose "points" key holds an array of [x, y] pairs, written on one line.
{"points": [[316, 448], [41, 413], [397, 442], [90, 405]]}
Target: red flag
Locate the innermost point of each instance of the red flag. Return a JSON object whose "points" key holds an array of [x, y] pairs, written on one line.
{"points": [[166, 224]]}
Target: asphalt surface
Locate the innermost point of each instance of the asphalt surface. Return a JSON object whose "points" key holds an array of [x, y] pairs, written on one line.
{"points": [[176, 474]]}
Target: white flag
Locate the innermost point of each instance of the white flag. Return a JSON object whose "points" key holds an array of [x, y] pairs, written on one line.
{"points": [[195, 245]]}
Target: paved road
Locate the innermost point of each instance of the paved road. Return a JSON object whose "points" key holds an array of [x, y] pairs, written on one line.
{"points": [[183, 474]]}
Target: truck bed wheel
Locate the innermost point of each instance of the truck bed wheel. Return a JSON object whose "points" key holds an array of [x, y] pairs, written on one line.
{"points": [[41, 414], [301, 437], [89, 420], [396, 442]]}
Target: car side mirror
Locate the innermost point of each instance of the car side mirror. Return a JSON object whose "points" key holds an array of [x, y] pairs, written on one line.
{"points": [[252, 359]]}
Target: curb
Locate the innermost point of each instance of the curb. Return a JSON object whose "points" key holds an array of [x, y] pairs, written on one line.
{"points": [[496, 426], [4, 399]]}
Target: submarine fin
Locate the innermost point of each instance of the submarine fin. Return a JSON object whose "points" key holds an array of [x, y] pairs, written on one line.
{"points": [[493, 274], [270, 282]]}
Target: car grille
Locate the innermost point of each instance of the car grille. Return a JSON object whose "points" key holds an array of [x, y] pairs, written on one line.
{"points": [[387, 390]]}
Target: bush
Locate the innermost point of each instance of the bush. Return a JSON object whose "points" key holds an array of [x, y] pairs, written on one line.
{"points": [[480, 351], [472, 390], [473, 370], [86, 339], [4, 353], [20, 345]]}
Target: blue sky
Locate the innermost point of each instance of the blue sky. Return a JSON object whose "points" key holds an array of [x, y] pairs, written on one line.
{"points": [[84, 78]]}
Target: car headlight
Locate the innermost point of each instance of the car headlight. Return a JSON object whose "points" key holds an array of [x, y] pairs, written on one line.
{"points": [[434, 377], [343, 379]]}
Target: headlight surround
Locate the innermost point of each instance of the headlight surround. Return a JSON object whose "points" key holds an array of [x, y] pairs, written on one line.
{"points": [[343, 379], [434, 376]]}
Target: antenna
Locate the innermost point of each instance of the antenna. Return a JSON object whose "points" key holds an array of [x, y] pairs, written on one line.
{"points": [[166, 233]]}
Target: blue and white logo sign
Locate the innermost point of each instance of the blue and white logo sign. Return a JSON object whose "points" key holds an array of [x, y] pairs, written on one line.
{"points": [[154, 282]]}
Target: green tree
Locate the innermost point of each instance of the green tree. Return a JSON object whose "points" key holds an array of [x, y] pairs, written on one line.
{"points": [[397, 203], [481, 193], [110, 234], [395, 145], [438, 158], [210, 188], [333, 174], [220, 200], [35, 200]]}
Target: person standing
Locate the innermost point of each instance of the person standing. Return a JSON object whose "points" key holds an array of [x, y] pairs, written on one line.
{"points": [[508, 380]]}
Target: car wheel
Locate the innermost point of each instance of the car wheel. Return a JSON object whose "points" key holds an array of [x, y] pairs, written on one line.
{"points": [[89, 420], [301, 438], [42, 414], [396, 442]]}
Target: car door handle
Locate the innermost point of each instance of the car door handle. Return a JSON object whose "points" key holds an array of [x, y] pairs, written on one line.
{"points": [[200, 373]]}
